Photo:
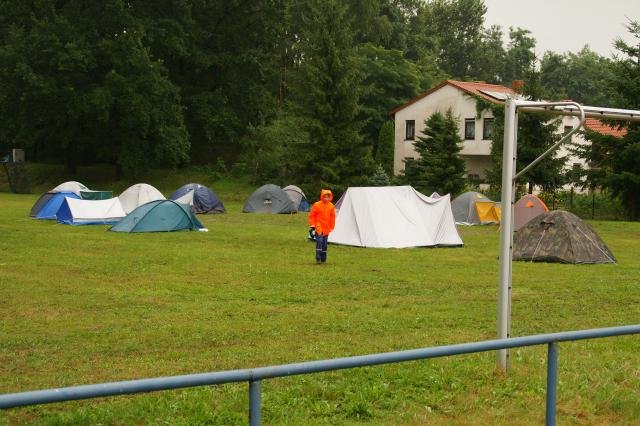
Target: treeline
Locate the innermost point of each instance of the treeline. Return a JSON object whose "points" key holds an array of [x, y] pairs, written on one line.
{"points": [[285, 90]]}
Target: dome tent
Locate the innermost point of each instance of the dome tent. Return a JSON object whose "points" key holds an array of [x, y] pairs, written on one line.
{"points": [[50, 209], [67, 187], [204, 199], [269, 199], [44, 198], [527, 208], [159, 216], [137, 195], [297, 197], [559, 236], [70, 186], [473, 208]]}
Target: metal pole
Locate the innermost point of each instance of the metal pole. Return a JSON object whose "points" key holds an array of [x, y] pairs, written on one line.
{"points": [[552, 382], [510, 124], [254, 403]]}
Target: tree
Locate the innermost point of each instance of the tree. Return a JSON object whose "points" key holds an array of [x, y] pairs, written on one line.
{"points": [[385, 148], [520, 56], [536, 134], [615, 160], [380, 177], [440, 167], [324, 93]]}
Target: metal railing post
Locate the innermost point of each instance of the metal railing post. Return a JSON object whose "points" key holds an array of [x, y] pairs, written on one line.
{"points": [[254, 403], [552, 383]]}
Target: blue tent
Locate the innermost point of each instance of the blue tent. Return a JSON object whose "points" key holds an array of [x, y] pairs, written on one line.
{"points": [[159, 216], [50, 208], [204, 199]]}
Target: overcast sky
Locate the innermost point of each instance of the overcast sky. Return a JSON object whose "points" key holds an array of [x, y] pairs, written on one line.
{"points": [[567, 25]]}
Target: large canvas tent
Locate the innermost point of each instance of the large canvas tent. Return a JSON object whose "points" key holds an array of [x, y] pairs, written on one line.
{"points": [[269, 198], [50, 208], [559, 236], [526, 208], [90, 212], [137, 195], [297, 197], [159, 216], [473, 208], [394, 217], [204, 199], [70, 186]]}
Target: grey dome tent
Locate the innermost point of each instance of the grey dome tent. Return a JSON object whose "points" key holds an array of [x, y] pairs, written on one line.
{"points": [[159, 216], [559, 236], [269, 199], [297, 197], [473, 208], [204, 199]]}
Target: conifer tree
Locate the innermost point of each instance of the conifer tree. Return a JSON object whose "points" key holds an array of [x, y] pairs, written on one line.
{"points": [[439, 167]]}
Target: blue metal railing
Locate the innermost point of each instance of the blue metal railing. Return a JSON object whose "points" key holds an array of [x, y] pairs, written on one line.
{"points": [[256, 375]]}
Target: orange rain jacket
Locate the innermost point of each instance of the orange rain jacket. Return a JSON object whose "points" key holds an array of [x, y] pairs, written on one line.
{"points": [[323, 214]]}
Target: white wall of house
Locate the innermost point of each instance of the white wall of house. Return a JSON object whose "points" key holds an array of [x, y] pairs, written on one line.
{"points": [[475, 151]]}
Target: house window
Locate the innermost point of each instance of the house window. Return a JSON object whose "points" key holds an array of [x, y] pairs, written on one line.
{"points": [[410, 130], [469, 128], [487, 129]]}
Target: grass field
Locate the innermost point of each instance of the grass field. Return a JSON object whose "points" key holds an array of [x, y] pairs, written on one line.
{"points": [[79, 305]]}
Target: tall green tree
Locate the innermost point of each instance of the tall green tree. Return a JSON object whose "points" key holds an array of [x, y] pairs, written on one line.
{"points": [[439, 167], [385, 148], [520, 56], [324, 93]]}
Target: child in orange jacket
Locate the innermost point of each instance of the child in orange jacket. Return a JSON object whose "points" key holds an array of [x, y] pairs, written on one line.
{"points": [[322, 219]]}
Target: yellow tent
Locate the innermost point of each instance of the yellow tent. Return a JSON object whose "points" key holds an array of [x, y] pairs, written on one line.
{"points": [[488, 212]]}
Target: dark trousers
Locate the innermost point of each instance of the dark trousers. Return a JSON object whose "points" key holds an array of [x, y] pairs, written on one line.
{"points": [[321, 247]]}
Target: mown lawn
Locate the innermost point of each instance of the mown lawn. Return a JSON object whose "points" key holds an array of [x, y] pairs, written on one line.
{"points": [[80, 305]]}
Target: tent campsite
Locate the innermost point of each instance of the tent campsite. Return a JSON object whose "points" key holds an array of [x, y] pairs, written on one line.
{"points": [[137, 195], [50, 208], [473, 208], [297, 197], [204, 199], [269, 199], [559, 236], [90, 212], [394, 217], [159, 216], [526, 208]]}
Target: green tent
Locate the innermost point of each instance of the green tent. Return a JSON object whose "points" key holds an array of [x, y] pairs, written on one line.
{"points": [[159, 216]]}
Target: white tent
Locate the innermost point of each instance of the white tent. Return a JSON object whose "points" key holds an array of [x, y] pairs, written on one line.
{"points": [[70, 186], [394, 217], [137, 195], [90, 212], [186, 199]]}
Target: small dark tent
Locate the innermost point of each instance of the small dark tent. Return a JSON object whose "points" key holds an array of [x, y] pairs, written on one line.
{"points": [[559, 236], [50, 208], [204, 199], [525, 209], [269, 199], [297, 197], [159, 216]]}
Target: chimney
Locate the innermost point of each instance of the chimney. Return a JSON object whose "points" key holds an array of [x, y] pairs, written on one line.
{"points": [[517, 86]]}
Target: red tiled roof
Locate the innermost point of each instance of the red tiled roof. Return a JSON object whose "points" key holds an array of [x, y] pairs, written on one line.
{"points": [[470, 87], [603, 128]]}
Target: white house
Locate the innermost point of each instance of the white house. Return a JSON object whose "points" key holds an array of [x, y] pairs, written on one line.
{"points": [[475, 130]]}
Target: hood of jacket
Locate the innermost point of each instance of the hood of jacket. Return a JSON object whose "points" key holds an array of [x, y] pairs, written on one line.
{"points": [[326, 192]]}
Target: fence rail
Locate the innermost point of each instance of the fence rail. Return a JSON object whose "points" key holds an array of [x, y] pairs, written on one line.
{"points": [[254, 376]]}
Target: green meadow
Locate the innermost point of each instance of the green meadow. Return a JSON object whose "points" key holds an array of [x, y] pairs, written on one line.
{"points": [[80, 305]]}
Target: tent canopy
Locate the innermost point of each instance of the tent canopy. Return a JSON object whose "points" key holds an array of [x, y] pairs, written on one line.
{"points": [[269, 199], [70, 186], [559, 236], [297, 197], [137, 195], [90, 212], [51, 207], [159, 216], [526, 208], [473, 208], [394, 217], [204, 199]]}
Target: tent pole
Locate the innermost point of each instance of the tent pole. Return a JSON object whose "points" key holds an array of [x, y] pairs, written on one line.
{"points": [[504, 288]]}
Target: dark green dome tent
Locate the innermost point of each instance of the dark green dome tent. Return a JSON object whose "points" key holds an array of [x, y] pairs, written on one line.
{"points": [[159, 216], [269, 199]]}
